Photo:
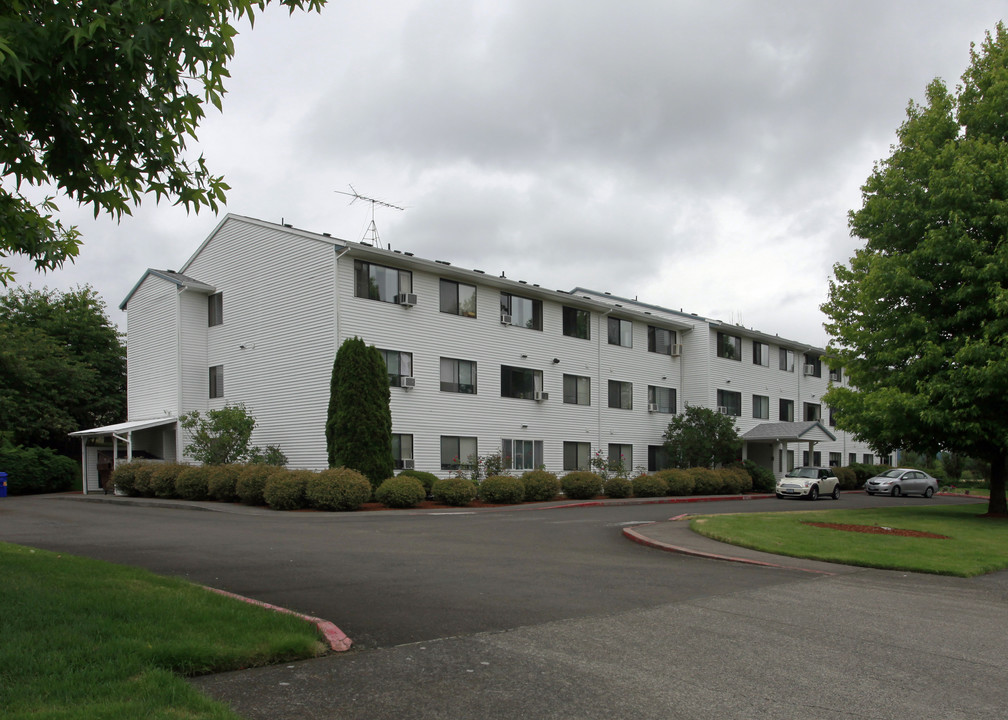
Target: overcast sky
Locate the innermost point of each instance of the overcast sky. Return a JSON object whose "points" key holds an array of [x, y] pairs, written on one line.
{"points": [[696, 155]]}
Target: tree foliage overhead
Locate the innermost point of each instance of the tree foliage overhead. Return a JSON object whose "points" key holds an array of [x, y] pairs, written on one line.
{"points": [[919, 316], [98, 100], [701, 437]]}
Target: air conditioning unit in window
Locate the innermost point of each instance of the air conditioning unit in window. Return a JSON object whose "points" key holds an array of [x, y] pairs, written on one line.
{"points": [[652, 407], [723, 410], [407, 464], [676, 350], [407, 382], [541, 396], [505, 319], [810, 370], [406, 299]]}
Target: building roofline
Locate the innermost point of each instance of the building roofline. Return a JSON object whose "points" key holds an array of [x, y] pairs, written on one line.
{"points": [[183, 282]]}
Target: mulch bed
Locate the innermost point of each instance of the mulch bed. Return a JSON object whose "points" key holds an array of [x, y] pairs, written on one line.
{"points": [[877, 530]]}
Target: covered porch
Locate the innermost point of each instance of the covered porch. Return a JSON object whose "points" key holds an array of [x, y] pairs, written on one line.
{"points": [[103, 448], [767, 444]]}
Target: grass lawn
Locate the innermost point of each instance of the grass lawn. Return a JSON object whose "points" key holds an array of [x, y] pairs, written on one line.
{"points": [[84, 639], [975, 545]]}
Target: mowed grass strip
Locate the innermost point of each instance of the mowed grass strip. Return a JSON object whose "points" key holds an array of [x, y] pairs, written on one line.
{"points": [[975, 544], [84, 639]]}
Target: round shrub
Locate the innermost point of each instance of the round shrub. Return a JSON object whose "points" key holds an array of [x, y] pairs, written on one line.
{"points": [[338, 489], [762, 478], [705, 481], [286, 490], [124, 478], [649, 486], [252, 481], [143, 478], [679, 481], [502, 489], [540, 485], [847, 477], [162, 480], [222, 481], [581, 485], [426, 479], [618, 487], [403, 491], [191, 483], [454, 491], [734, 480]]}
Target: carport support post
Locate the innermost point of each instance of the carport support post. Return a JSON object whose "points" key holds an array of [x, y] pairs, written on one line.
{"points": [[84, 463], [811, 452]]}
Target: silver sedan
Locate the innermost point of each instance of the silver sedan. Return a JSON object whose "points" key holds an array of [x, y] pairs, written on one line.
{"points": [[902, 481]]}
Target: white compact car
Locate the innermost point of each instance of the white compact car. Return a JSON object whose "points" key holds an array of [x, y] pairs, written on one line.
{"points": [[810, 483]]}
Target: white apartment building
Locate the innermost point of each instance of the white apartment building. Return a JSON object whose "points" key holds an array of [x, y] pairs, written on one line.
{"points": [[477, 363]]}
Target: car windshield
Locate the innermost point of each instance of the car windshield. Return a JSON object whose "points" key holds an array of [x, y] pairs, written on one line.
{"points": [[892, 473], [803, 473]]}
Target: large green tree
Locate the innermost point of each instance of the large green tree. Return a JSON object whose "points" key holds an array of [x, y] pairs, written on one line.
{"points": [[98, 100], [62, 365], [359, 428], [919, 316], [701, 437]]}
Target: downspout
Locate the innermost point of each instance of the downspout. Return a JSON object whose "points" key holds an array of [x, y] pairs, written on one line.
{"points": [[340, 252], [84, 463], [178, 374]]}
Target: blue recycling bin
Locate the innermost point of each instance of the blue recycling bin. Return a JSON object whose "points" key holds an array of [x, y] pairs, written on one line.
{"points": [[3, 484]]}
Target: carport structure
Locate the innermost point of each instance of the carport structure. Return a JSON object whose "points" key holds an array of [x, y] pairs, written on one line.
{"points": [[766, 443], [102, 448]]}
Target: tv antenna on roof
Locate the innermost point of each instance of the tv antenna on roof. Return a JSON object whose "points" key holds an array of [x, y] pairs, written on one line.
{"points": [[371, 234]]}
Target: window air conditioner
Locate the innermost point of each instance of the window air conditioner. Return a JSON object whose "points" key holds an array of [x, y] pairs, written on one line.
{"points": [[676, 350], [406, 299], [407, 382], [540, 396], [722, 410], [810, 369], [407, 464], [505, 319], [652, 407]]}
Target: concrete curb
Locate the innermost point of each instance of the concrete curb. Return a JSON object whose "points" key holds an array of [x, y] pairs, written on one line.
{"points": [[337, 639]]}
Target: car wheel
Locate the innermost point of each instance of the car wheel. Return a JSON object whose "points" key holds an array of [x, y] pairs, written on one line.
{"points": [[929, 492], [895, 492], [836, 492], [813, 493]]}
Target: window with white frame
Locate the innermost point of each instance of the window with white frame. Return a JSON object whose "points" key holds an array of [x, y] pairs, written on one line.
{"points": [[851, 458], [577, 323], [522, 383], [402, 450], [621, 456], [522, 454], [576, 390], [836, 374], [760, 354], [457, 298], [729, 346], [215, 309], [660, 340], [813, 365], [524, 312], [377, 282], [761, 407], [867, 458], [457, 452], [576, 456], [458, 376], [661, 399], [658, 458], [786, 361], [731, 401], [786, 412], [620, 395], [620, 332], [812, 411], [398, 365], [834, 459], [216, 381]]}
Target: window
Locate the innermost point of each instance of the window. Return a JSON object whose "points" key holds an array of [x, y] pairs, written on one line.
{"points": [[836, 374], [811, 411], [760, 354], [887, 460], [658, 458], [832, 420], [813, 365], [524, 312], [620, 395], [790, 460], [867, 459], [576, 455], [458, 376], [520, 383], [787, 360], [402, 449], [217, 381], [377, 282], [729, 346], [621, 456], [576, 390], [660, 340], [662, 399], [458, 298], [522, 454], [786, 411], [816, 458], [731, 401], [834, 459], [577, 323], [398, 364], [851, 458], [620, 332], [215, 309], [761, 407], [457, 451]]}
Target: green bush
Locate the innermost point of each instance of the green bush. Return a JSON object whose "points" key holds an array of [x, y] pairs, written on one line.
{"points": [[763, 480], [191, 483], [502, 489], [402, 491], [143, 478], [338, 489], [680, 482], [252, 481], [454, 491], [285, 490], [706, 481], [222, 481], [734, 480], [162, 480], [864, 471], [617, 487], [581, 485], [426, 479], [847, 477], [540, 485], [37, 470], [650, 486], [124, 478]]}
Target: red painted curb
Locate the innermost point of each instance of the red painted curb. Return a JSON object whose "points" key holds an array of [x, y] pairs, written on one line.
{"points": [[336, 638]]}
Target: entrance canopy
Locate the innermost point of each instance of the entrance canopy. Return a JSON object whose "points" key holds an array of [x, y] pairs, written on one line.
{"points": [[122, 430], [765, 443], [97, 471]]}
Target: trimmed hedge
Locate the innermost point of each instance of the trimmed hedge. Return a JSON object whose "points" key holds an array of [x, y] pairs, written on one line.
{"points": [[735, 480], [454, 491], [540, 485], [680, 482], [763, 480], [222, 481], [649, 486], [37, 470], [617, 487], [426, 479], [847, 477], [337, 489], [143, 478], [124, 478], [402, 491], [191, 483], [162, 480], [581, 485], [286, 490], [252, 481], [502, 489]]}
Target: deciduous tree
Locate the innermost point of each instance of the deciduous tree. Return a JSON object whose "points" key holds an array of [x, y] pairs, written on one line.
{"points": [[701, 437]]}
